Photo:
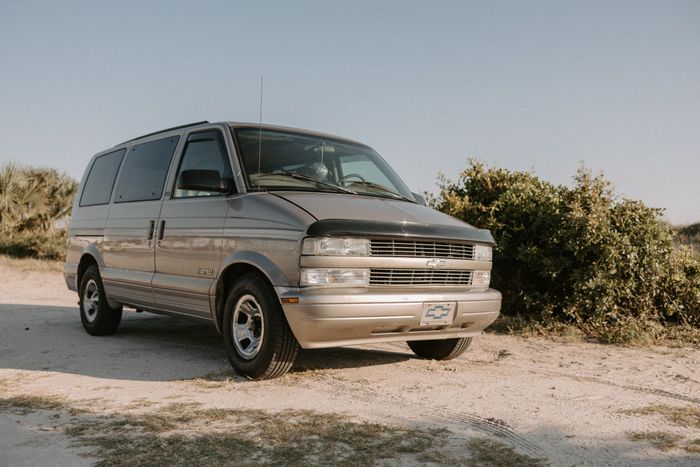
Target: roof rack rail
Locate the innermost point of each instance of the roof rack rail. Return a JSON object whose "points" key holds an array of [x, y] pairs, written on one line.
{"points": [[179, 127]]}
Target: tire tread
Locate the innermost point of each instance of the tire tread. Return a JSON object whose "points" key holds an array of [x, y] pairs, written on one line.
{"points": [[284, 346], [446, 349], [108, 319]]}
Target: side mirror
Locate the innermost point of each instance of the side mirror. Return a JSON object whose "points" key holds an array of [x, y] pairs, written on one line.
{"points": [[204, 180], [419, 199]]}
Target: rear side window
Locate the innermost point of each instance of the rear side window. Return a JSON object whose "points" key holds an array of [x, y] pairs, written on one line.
{"points": [[145, 169], [100, 180]]}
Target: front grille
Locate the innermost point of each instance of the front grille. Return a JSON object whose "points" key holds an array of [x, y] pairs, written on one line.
{"points": [[379, 276], [409, 248]]}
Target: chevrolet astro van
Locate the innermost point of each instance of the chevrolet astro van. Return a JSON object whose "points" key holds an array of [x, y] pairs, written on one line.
{"points": [[282, 238]]}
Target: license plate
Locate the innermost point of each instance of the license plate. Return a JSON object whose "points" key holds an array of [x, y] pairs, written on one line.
{"points": [[438, 313]]}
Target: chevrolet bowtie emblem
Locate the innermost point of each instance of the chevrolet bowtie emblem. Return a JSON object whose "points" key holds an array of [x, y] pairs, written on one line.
{"points": [[435, 263]]}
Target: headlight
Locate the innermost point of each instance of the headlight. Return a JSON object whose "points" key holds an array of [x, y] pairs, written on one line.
{"points": [[337, 277], [483, 253], [330, 246], [481, 279]]}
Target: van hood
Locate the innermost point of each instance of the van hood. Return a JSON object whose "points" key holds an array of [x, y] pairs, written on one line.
{"points": [[343, 214]]}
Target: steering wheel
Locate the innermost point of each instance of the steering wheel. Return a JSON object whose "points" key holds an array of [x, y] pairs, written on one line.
{"points": [[343, 181]]}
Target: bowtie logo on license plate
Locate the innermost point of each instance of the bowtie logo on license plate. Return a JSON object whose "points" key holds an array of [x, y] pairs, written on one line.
{"points": [[438, 314], [438, 311]]}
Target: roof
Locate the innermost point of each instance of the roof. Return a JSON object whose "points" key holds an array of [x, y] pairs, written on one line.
{"points": [[264, 126]]}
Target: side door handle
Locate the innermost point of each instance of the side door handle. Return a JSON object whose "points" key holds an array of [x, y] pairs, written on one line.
{"points": [[161, 231], [151, 228]]}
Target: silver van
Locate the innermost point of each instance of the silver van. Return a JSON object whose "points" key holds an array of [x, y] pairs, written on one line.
{"points": [[282, 238]]}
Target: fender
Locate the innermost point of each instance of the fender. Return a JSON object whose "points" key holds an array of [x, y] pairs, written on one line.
{"points": [[91, 248], [70, 269], [245, 257], [267, 266]]}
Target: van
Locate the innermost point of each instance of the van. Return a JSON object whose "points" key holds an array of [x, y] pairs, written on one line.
{"points": [[281, 238]]}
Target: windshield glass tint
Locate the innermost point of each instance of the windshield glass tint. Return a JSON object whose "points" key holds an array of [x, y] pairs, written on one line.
{"points": [[294, 161]]}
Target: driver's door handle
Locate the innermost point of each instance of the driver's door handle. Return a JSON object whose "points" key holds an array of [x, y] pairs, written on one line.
{"points": [[161, 231], [151, 228]]}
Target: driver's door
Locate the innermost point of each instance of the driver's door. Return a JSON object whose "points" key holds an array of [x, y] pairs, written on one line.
{"points": [[189, 231]]}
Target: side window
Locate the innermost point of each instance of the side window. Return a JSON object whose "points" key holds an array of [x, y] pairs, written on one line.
{"points": [[204, 151], [145, 169], [100, 180]]}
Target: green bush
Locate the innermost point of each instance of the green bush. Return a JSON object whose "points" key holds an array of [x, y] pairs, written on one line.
{"points": [[46, 246], [579, 254], [33, 201], [689, 235]]}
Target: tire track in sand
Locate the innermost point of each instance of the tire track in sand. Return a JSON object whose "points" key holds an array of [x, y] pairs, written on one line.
{"points": [[476, 422]]}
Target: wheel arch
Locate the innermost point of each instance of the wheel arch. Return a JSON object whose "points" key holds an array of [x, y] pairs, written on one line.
{"points": [[235, 267], [89, 257]]}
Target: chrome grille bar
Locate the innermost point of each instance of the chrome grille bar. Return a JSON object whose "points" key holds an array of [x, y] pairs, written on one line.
{"points": [[383, 276], [421, 249]]}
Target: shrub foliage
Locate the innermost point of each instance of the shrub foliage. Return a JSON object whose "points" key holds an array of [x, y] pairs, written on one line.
{"points": [[32, 203], [578, 254]]}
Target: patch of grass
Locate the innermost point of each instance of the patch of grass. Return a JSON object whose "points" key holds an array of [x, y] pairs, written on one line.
{"points": [[687, 417], [215, 380], [520, 326], [26, 404], [486, 452], [31, 264], [693, 446], [659, 439], [635, 334], [140, 404], [680, 335], [186, 434]]}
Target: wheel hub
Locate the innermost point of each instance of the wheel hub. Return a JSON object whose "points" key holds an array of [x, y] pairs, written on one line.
{"points": [[91, 301], [248, 327]]}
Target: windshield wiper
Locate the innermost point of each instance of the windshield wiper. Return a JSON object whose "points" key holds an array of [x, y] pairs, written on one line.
{"points": [[382, 188], [299, 176]]}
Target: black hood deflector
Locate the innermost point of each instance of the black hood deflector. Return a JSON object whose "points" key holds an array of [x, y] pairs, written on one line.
{"points": [[398, 230]]}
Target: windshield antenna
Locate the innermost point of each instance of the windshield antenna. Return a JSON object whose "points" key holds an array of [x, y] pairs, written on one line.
{"points": [[260, 131]]}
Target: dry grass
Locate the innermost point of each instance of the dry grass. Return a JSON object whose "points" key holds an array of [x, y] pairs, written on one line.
{"points": [[519, 326], [141, 403], [485, 452], [659, 439], [26, 404], [187, 434], [687, 417], [643, 336], [30, 264], [693, 446], [215, 380]]}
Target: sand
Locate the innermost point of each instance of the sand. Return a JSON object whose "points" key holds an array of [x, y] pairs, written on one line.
{"points": [[565, 402]]}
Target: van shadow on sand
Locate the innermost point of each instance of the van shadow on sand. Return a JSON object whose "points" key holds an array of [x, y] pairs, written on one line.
{"points": [[146, 347]]}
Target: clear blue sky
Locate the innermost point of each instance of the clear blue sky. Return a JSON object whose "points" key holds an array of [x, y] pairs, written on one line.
{"points": [[522, 85]]}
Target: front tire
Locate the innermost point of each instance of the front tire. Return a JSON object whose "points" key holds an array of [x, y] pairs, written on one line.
{"points": [[98, 318], [445, 349], [257, 338]]}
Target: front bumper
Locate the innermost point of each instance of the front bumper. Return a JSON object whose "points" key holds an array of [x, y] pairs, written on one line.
{"points": [[335, 317]]}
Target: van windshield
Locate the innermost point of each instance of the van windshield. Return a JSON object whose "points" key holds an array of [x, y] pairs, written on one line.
{"points": [[281, 160]]}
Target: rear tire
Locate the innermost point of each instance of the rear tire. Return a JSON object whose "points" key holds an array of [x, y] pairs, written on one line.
{"points": [[257, 338], [99, 319], [445, 349]]}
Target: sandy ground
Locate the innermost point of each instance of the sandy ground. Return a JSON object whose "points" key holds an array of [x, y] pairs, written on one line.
{"points": [[562, 402]]}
